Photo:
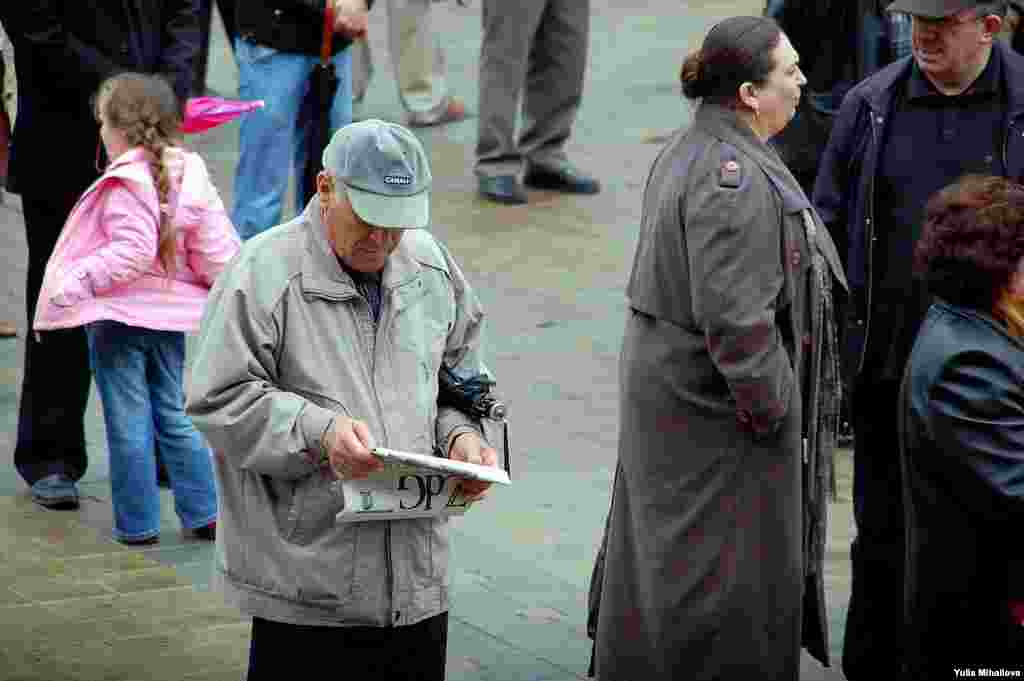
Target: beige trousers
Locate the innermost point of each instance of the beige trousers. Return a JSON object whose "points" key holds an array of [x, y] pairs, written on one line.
{"points": [[417, 58]]}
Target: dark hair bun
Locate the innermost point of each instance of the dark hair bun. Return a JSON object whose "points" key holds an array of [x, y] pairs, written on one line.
{"points": [[690, 76], [736, 50]]}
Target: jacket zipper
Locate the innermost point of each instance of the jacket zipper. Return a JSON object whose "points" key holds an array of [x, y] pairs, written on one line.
{"points": [[870, 231], [393, 614], [1006, 144]]}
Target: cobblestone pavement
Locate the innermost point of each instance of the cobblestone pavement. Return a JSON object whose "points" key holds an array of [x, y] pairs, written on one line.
{"points": [[75, 605]]}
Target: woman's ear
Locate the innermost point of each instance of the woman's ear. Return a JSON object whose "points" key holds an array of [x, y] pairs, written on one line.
{"points": [[993, 25], [748, 95]]}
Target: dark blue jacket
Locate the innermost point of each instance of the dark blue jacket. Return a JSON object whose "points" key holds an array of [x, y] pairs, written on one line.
{"points": [[962, 451], [844, 188], [63, 51], [286, 25]]}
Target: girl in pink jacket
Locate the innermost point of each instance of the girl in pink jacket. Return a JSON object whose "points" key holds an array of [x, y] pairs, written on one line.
{"points": [[134, 264]]}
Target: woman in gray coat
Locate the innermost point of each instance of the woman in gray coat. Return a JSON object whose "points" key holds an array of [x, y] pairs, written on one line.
{"points": [[729, 389]]}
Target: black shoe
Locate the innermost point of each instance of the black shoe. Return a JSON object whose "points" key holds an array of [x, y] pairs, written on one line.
{"points": [[57, 492], [502, 188], [844, 437], [151, 540], [207, 532], [565, 178]]}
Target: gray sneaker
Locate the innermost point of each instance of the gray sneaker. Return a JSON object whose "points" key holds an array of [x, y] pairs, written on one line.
{"points": [[56, 491]]}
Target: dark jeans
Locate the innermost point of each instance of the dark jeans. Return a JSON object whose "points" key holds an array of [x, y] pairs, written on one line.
{"points": [[872, 646], [55, 387], [292, 651]]}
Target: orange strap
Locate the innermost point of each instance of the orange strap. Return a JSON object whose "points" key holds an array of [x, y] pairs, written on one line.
{"points": [[325, 44]]}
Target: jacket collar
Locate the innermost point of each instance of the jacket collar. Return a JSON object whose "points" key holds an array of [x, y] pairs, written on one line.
{"points": [[980, 316], [132, 156], [725, 124], [322, 273], [880, 89]]}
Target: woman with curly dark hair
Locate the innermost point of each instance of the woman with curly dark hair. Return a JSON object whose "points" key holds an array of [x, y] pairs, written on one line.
{"points": [[962, 434]]}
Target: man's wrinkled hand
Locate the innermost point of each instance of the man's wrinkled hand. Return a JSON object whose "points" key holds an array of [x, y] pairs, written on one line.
{"points": [[351, 18], [469, 447], [348, 443]]}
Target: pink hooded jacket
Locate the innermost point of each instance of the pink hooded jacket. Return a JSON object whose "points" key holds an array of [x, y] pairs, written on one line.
{"points": [[105, 264]]}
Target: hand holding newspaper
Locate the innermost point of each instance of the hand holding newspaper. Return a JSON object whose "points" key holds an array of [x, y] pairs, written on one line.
{"points": [[413, 486]]}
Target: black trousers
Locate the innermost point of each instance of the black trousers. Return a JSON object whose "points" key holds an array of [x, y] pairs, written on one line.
{"points": [[872, 645], [292, 651], [55, 387]]}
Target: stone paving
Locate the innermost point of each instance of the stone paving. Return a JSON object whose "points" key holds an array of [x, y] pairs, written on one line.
{"points": [[76, 605]]}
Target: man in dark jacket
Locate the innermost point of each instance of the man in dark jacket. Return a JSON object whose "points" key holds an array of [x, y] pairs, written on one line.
{"points": [[956, 107], [840, 43], [277, 47], [64, 50]]}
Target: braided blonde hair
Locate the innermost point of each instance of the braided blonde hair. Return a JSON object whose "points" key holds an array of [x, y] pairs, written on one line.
{"points": [[145, 110]]}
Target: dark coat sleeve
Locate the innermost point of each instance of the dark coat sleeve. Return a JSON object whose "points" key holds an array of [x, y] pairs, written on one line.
{"points": [[180, 44], [733, 243], [977, 417]]}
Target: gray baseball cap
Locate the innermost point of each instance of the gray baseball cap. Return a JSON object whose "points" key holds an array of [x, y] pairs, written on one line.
{"points": [[385, 172], [935, 9]]}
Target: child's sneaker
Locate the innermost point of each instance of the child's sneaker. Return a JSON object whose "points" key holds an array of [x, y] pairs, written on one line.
{"points": [[207, 532]]}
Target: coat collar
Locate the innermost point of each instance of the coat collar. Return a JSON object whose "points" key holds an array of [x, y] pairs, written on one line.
{"points": [[725, 124], [133, 155], [322, 273], [981, 317]]}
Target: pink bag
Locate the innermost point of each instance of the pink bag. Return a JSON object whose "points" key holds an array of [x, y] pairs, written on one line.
{"points": [[203, 113]]}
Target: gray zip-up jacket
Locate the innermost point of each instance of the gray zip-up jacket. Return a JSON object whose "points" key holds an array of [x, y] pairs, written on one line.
{"points": [[286, 344]]}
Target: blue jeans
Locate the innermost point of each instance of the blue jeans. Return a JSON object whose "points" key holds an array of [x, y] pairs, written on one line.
{"points": [[138, 375], [273, 139]]}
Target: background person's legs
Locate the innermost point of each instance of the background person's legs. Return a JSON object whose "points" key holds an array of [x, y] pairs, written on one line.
{"points": [[554, 81], [418, 60], [508, 34], [55, 386], [872, 644], [267, 136]]}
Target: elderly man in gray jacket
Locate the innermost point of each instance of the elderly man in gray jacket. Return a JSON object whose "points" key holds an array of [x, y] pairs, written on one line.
{"points": [[323, 338]]}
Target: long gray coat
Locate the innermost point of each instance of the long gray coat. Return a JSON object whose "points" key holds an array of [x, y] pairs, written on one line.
{"points": [[708, 548]]}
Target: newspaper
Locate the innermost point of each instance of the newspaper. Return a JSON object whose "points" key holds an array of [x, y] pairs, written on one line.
{"points": [[440, 464], [412, 486]]}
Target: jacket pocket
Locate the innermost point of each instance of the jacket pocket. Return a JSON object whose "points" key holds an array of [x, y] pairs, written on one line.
{"points": [[316, 501], [317, 498]]}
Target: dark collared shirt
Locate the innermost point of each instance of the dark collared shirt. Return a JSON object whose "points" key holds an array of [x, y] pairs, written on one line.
{"points": [[368, 284], [931, 140]]}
